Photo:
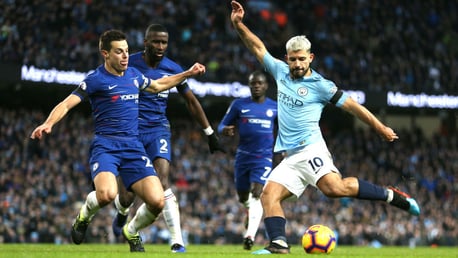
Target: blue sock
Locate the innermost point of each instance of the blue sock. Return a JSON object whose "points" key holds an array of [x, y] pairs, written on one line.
{"points": [[275, 227], [369, 191]]}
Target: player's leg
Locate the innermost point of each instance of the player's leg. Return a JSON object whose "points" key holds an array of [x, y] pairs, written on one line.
{"points": [[149, 190], [103, 161], [332, 185], [123, 201], [105, 193], [243, 188], [171, 210], [274, 221], [280, 187], [255, 175], [322, 172], [253, 204], [158, 147]]}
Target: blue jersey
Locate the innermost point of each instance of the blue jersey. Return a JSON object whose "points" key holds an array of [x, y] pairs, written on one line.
{"points": [[255, 123], [300, 104], [114, 100], [153, 106]]}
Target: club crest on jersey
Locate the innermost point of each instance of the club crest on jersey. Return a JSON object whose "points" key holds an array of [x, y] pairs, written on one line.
{"points": [[269, 113], [136, 83], [302, 91], [95, 166]]}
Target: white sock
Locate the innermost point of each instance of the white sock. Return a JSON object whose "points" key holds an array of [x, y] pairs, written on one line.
{"points": [[90, 207], [255, 212], [390, 195], [143, 218], [171, 214], [121, 209]]}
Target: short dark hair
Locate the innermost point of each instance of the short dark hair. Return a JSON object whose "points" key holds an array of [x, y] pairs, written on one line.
{"points": [[108, 36], [155, 28]]}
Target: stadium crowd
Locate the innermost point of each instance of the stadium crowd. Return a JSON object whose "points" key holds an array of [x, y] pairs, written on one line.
{"points": [[372, 45], [43, 182]]}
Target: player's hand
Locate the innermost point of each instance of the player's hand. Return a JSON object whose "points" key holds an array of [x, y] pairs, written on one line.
{"points": [[213, 143], [196, 69], [229, 130], [388, 134], [38, 132], [237, 12]]}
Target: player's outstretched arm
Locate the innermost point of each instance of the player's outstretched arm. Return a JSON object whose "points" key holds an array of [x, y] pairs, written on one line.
{"points": [[168, 82], [197, 112], [367, 117], [251, 41], [58, 112]]}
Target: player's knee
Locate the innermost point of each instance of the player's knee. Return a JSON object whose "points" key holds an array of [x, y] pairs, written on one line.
{"points": [[266, 198], [256, 193], [105, 197], [155, 202], [126, 199]]}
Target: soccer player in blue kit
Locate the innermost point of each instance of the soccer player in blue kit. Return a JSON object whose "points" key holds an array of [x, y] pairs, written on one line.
{"points": [[254, 118], [113, 90], [154, 128], [302, 93]]}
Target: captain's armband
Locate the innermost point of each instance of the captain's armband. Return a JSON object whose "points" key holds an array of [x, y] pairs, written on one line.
{"points": [[336, 97]]}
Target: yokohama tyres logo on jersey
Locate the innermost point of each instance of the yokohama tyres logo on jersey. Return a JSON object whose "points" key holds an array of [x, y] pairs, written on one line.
{"points": [[125, 97]]}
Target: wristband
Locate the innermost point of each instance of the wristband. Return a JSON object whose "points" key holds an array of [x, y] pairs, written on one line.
{"points": [[208, 131]]}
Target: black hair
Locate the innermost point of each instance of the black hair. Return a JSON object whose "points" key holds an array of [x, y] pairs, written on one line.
{"points": [[155, 28], [108, 36]]}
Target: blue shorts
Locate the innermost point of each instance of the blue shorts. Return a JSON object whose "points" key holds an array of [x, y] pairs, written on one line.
{"points": [[122, 156], [251, 169], [157, 143]]}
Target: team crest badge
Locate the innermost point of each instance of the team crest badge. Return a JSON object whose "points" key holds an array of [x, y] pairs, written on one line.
{"points": [[302, 91]]}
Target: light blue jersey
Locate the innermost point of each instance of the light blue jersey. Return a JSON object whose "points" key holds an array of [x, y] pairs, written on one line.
{"points": [[300, 104]]}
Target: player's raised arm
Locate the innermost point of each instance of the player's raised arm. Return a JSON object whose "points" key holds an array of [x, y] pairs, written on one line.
{"points": [[251, 41], [168, 82], [58, 112]]}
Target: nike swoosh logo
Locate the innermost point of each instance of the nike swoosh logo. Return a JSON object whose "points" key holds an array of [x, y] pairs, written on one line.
{"points": [[244, 110], [112, 87]]}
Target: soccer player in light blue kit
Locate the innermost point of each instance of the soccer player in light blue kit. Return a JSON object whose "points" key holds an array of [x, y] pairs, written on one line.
{"points": [[302, 95], [254, 118], [113, 90], [154, 129]]}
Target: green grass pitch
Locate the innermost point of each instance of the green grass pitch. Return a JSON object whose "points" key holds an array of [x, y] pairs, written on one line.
{"points": [[207, 251]]}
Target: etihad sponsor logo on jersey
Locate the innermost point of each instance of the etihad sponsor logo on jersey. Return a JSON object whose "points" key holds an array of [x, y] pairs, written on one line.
{"points": [[290, 101]]}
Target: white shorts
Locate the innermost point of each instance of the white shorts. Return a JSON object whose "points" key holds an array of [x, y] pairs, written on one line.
{"points": [[303, 167]]}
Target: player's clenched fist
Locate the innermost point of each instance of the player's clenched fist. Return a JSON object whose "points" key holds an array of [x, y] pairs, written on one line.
{"points": [[197, 69]]}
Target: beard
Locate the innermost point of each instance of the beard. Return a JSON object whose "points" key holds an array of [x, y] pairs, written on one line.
{"points": [[297, 73]]}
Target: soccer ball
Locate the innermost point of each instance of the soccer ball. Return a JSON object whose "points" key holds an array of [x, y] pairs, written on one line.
{"points": [[319, 239]]}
